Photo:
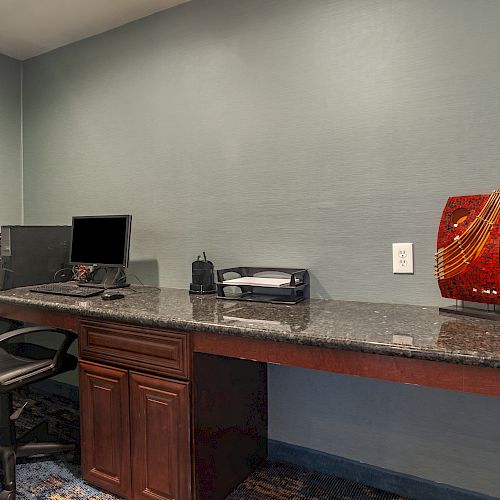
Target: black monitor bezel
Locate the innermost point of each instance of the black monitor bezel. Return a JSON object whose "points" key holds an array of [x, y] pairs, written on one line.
{"points": [[126, 250]]}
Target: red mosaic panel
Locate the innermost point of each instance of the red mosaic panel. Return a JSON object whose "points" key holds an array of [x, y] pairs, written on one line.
{"points": [[480, 282]]}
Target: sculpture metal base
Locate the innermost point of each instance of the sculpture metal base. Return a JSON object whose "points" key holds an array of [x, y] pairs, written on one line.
{"points": [[472, 312]]}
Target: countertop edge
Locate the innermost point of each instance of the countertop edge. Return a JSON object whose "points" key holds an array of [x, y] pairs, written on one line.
{"points": [[402, 351]]}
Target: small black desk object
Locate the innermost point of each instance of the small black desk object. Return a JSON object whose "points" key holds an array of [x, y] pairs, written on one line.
{"points": [[112, 295], [203, 276]]}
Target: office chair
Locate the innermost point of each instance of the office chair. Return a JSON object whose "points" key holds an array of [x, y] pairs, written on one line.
{"points": [[22, 363]]}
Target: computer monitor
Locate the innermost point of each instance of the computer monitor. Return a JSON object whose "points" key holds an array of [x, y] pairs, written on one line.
{"points": [[102, 240]]}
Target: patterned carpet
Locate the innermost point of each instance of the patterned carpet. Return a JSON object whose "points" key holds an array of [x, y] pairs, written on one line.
{"points": [[280, 481], [57, 478], [62, 414]]}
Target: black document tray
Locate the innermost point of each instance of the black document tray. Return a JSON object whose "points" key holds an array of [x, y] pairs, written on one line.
{"points": [[296, 291]]}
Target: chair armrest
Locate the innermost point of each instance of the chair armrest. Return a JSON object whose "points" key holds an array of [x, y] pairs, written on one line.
{"points": [[69, 338], [22, 331]]}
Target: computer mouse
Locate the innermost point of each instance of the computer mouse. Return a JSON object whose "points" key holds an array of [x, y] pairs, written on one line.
{"points": [[112, 295]]}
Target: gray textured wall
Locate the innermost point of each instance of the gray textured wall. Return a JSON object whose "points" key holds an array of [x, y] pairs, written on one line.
{"points": [[10, 141], [273, 132], [287, 132], [444, 436]]}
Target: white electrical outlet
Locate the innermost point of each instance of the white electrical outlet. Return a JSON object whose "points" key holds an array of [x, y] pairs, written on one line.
{"points": [[402, 258]]}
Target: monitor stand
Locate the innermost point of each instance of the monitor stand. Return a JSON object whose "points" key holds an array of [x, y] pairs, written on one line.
{"points": [[114, 278]]}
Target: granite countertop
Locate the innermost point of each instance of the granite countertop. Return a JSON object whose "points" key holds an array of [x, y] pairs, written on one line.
{"points": [[391, 329]]}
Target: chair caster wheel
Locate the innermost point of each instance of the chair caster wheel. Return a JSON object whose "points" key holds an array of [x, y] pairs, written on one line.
{"points": [[8, 495]]}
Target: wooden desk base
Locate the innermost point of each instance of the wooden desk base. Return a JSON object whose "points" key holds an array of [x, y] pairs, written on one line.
{"points": [[438, 374]]}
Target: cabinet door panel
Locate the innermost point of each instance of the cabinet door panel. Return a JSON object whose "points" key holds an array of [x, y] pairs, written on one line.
{"points": [[105, 427], [160, 430]]}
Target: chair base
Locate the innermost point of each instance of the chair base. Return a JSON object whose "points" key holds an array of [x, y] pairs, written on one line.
{"points": [[9, 454]]}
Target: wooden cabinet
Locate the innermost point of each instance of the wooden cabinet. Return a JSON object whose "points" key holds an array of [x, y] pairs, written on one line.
{"points": [[135, 433], [105, 428], [135, 425], [159, 423]]}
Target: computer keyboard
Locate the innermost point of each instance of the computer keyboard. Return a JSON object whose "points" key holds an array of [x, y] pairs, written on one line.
{"points": [[70, 291]]}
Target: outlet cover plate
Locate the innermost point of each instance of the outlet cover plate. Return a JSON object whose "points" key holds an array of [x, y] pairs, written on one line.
{"points": [[402, 258]]}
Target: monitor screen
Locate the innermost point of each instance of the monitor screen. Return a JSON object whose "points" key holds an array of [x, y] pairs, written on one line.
{"points": [[102, 240]]}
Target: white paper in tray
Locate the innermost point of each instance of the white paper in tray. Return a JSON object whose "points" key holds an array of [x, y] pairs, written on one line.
{"points": [[256, 281]]}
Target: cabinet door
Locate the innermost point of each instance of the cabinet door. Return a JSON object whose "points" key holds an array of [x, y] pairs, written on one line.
{"points": [[160, 430], [105, 427]]}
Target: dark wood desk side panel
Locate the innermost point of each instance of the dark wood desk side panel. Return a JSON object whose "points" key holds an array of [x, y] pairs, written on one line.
{"points": [[229, 422], [39, 316], [438, 374]]}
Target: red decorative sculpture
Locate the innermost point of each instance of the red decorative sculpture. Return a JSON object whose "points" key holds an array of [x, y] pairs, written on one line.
{"points": [[468, 249]]}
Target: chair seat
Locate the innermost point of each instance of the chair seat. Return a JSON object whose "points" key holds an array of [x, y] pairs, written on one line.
{"points": [[13, 367]]}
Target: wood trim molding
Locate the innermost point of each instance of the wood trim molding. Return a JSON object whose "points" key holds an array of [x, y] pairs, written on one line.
{"points": [[438, 374], [39, 316]]}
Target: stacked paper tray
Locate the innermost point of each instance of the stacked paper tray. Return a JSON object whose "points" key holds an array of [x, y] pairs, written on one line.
{"points": [[258, 284]]}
